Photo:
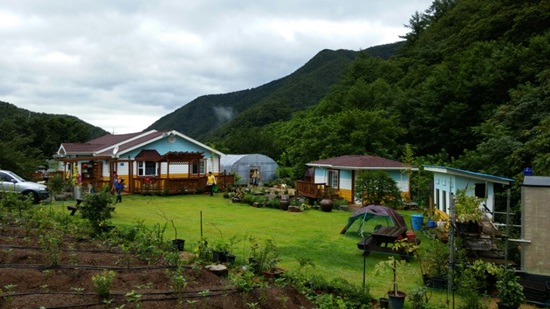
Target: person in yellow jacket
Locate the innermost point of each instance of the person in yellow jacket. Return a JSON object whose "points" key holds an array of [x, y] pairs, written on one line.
{"points": [[256, 177], [210, 182]]}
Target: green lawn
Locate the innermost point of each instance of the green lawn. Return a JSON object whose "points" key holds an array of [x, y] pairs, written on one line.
{"points": [[312, 234]]}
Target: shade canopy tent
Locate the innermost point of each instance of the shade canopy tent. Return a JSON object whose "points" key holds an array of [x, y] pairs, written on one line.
{"points": [[368, 212], [245, 164]]}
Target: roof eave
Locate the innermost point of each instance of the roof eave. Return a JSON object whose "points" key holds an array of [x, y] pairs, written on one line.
{"points": [[478, 176]]}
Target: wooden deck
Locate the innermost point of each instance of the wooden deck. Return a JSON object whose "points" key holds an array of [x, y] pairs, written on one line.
{"points": [[177, 185], [315, 190]]}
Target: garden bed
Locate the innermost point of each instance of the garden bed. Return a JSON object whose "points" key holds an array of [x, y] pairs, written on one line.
{"points": [[36, 271]]}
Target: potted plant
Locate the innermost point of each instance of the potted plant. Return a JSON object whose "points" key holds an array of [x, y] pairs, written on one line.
{"points": [[220, 252], [396, 297], [263, 258], [468, 213], [327, 203], [434, 263], [510, 291], [419, 297], [178, 244], [233, 240], [284, 202]]}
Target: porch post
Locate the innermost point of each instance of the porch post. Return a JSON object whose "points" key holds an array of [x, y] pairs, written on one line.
{"points": [[131, 176]]}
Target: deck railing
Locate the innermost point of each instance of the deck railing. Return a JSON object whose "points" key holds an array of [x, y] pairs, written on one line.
{"points": [[177, 185], [314, 190]]}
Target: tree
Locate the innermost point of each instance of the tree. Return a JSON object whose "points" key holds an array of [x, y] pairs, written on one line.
{"points": [[377, 187]]}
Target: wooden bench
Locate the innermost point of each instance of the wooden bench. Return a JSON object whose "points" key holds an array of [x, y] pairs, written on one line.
{"points": [[74, 208]]}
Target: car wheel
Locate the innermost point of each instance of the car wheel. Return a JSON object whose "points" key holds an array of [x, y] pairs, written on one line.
{"points": [[33, 196]]}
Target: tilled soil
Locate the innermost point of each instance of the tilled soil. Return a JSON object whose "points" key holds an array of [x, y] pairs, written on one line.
{"points": [[28, 278]]}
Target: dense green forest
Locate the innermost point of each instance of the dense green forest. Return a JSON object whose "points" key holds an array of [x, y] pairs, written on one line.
{"points": [[274, 101], [28, 140]]}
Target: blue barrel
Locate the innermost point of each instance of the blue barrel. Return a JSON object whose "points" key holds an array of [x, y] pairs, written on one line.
{"points": [[417, 222]]}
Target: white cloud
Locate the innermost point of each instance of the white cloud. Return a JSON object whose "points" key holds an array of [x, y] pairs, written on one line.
{"points": [[121, 65]]}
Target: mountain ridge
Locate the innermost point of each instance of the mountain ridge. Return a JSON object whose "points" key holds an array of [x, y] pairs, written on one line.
{"points": [[203, 116]]}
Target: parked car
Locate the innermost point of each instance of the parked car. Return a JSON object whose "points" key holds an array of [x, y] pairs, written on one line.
{"points": [[11, 182]]}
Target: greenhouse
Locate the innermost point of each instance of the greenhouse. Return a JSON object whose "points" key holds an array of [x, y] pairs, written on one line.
{"points": [[245, 166]]}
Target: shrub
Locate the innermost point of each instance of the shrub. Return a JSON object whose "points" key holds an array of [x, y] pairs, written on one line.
{"points": [[96, 208], [102, 283]]}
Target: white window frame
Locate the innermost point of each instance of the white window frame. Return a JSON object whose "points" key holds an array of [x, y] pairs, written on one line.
{"points": [[143, 169], [202, 169], [333, 179]]}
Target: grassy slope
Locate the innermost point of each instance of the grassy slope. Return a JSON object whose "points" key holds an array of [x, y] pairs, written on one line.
{"points": [[313, 234]]}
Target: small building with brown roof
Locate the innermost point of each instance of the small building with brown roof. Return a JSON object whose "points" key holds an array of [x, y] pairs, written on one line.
{"points": [[340, 173]]}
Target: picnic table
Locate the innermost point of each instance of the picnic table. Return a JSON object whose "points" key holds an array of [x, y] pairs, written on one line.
{"points": [[74, 208], [380, 239]]}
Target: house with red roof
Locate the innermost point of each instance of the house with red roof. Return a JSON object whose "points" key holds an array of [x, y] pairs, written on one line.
{"points": [[147, 161], [341, 172]]}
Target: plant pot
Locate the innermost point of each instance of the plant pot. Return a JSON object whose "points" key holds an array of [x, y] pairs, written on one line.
{"points": [[326, 204], [427, 280], [396, 300], [439, 283], [384, 302], [284, 202], [218, 256], [502, 305], [178, 244], [231, 258], [470, 227]]}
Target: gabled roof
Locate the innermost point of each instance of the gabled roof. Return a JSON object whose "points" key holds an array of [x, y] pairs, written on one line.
{"points": [[149, 155], [468, 174], [358, 162], [117, 145]]}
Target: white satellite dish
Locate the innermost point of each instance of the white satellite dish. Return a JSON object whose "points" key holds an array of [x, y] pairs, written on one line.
{"points": [[115, 150]]}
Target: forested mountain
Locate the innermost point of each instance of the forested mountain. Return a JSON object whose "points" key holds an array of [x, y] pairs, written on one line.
{"points": [[268, 103], [281, 97], [468, 88], [28, 139]]}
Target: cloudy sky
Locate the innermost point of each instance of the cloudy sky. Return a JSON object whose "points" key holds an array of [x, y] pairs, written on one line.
{"points": [[122, 64]]}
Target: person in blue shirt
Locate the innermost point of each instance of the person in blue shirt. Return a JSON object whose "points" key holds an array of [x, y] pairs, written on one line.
{"points": [[119, 185]]}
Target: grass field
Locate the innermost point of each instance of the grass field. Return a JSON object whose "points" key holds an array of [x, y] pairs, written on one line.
{"points": [[310, 234]]}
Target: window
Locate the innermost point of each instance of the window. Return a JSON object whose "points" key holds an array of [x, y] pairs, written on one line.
{"points": [[480, 190], [147, 168], [333, 179], [196, 168]]}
